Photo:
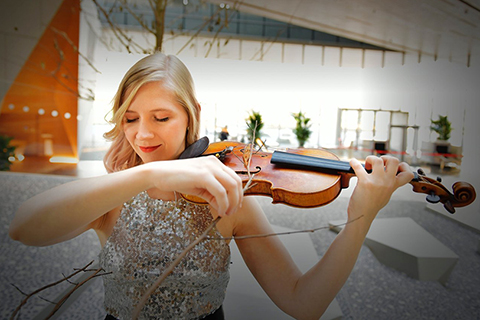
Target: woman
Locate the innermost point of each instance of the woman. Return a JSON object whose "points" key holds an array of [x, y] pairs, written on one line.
{"points": [[143, 224]]}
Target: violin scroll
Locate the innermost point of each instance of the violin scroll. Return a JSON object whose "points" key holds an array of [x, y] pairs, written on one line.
{"points": [[463, 192]]}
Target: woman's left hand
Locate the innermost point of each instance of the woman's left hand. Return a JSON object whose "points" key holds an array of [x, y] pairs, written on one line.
{"points": [[373, 190]]}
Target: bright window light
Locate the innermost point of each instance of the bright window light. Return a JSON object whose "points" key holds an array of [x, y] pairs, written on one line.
{"points": [[57, 159]]}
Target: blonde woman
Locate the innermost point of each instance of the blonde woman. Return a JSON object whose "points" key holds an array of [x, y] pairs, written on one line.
{"points": [[143, 225]]}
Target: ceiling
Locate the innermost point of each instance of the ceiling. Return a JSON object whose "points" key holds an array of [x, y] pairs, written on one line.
{"points": [[442, 29]]}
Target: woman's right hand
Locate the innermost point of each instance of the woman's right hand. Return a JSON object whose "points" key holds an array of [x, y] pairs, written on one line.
{"points": [[205, 177]]}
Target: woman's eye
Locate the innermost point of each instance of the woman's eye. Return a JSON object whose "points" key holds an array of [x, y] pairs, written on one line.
{"points": [[130, 120], [162, 119]]}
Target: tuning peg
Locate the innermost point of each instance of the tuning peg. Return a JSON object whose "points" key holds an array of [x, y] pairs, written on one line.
{"points": [[433, 198], [421, 172], [449, 207], [439, 179]]}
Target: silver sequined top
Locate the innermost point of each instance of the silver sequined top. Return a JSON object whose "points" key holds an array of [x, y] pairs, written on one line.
{"points": [[147, 237]]}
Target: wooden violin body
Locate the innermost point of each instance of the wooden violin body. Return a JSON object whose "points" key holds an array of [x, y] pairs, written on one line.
{"points": [[298, 188], [308, 178]]}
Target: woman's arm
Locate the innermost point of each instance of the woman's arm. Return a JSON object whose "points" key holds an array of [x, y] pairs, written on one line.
{"points": [[307, 296], [68, 210]]}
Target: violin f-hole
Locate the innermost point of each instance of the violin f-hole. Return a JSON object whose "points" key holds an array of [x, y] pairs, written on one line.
{"points": [[255, 171]]}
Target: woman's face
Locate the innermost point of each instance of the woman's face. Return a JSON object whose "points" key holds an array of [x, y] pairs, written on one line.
{"points": [[155, 124]]}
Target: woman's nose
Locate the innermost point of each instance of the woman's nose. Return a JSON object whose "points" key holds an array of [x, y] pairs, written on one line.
{"points": [[144, 131]]}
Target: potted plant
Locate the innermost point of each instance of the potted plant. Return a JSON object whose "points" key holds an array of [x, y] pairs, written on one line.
{"points": [[443, 127], [7, 151], [302, 129], [255, 125]]}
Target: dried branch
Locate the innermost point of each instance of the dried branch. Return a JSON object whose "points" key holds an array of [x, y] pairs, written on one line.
{"points": [[215, 37], [119, 34], [160, 8], [170, 268], [213, 40], [152, 6], [202, 237], [93, 30], [138, 18], [263, 52], [62, 301], [199, 30], [53, 74], [65, 36], [28, 296], [266, 235]]}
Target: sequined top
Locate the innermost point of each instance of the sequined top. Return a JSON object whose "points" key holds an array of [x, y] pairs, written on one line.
{"points": [[148, 235]]}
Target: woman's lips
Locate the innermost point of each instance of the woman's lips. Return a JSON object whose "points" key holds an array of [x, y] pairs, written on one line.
{"points": [[148, 149]]}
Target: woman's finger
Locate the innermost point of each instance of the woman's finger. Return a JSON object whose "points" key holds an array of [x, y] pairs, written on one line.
{"points": [[358, 168], [235, 189], [226, 187], [218, 193], [405, 174], [376, 163], [391, 165]]}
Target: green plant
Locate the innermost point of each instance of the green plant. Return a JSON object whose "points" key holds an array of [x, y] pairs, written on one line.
{"points": [[254, 124], [302, 129], [6, 152], [442, 126]]}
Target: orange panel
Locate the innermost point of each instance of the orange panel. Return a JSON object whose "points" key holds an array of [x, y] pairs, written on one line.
{"points": [[47, 86]]}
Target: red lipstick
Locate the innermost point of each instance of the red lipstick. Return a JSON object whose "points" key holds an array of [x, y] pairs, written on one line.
{"points": [[148, 149]]}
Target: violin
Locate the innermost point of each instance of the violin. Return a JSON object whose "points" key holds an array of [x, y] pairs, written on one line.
{"points": [[307, 178]]}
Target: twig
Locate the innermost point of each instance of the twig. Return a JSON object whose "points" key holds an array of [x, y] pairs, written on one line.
{"points": [[28, 296], [266, 235], [225, 24], [75, 48], [202, 237], [118, 31], [138, 18], [170, 268], [62, 301], [198, 31]]}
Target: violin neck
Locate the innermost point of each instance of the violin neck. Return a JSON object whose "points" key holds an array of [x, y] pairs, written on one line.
{"points": [[299, 161]]}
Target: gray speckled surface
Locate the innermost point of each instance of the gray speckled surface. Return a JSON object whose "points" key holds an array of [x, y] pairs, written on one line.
{"points": [[30, 268], [373, 291]]}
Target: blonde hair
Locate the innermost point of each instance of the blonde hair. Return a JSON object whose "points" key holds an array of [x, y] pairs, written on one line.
{"points": [[173, 75]]}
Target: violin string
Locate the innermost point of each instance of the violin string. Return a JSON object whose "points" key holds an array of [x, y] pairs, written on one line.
{"points": [[281, 233]]}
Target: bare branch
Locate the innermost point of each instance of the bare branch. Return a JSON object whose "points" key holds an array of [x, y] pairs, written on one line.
{"points": [[24, 301], [202, 237], [119, 34], [170, 268], [213, 40], [160, 8], [199, 30], [65, 36], [152, 6], [139, 19], [266, 235], [62, 301], [263, 52]]}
